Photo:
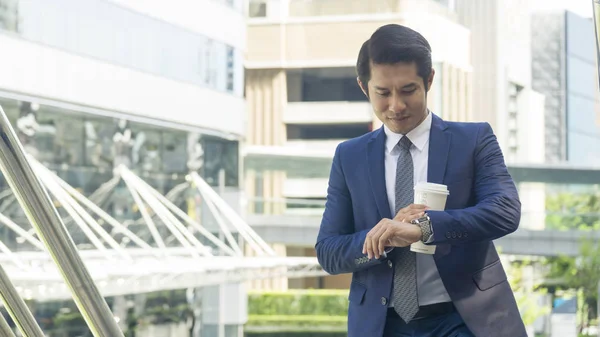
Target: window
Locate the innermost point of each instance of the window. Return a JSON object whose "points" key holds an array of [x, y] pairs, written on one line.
{"points": [[49, 135], [230, 69], [220, 154], [324, 85], [174, 154], [209, 61], [259, 193], [327, 131], [258, 9], [9, 15], [99, 134], [146, 148], [109, 32]]}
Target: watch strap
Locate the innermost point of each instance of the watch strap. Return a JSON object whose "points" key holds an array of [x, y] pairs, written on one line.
{"points": [[426, 228], [427, 231]]}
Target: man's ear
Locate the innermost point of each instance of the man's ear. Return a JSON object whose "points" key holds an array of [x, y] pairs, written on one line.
{"points": [[364, 88], [430, 79]]}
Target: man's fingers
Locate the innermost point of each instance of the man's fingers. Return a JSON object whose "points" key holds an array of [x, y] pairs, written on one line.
{"points": [[374, 240], [410, 215], [369, 235], [383, 240], [370, 246], [413, 216], [410, 209], [368, 240], [416, 206]]}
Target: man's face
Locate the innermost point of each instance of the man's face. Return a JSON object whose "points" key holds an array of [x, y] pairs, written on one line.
{"points": [[398, 95]]}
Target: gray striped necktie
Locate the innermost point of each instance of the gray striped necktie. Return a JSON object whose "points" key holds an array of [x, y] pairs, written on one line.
{"points": [[405, 300]]}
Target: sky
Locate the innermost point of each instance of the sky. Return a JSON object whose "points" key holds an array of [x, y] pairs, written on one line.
{"points": [[581, 7]]}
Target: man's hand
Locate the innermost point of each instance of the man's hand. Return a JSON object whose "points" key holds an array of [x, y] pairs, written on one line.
{"points": [[390, 233], [410, 213]]}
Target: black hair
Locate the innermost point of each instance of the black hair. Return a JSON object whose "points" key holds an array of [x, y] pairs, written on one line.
{"points": [[391, 44]]}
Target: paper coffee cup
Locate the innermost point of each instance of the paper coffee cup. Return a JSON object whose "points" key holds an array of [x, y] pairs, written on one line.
{"points": [[433, 196]]}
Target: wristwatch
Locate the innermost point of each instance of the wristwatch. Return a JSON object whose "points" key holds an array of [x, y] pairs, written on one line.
{"points": [[425, 223]]}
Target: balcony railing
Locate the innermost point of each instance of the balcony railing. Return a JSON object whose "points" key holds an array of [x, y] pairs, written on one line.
{"points": [[286, 206], [274, 9], [327, 112]]}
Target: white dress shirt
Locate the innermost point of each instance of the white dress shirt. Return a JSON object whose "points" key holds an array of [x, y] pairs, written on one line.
{"points": [[429, 284]]}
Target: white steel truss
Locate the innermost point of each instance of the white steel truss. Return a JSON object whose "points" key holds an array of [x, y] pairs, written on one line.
{"points": [[176, 251]]}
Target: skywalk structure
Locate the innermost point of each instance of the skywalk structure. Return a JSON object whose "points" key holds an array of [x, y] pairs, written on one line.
{"points": [[98, 256], [165, 249]]}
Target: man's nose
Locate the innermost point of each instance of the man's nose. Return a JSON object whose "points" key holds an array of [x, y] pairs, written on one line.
{"points": [[397, 104]]}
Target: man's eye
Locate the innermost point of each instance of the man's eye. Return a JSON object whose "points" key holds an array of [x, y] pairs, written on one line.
{"points": [[409, 91], [383, 94]]}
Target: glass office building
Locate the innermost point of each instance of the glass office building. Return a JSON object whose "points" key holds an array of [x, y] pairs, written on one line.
{"points": [[78, 137], [89, 85], [564, 70]]}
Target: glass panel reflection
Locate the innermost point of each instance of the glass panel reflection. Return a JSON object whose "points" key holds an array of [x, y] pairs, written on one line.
{"points": [[108, 32]]}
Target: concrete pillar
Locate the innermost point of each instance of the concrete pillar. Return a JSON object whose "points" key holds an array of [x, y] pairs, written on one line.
{"points": [[224, 309], [119, 309]]}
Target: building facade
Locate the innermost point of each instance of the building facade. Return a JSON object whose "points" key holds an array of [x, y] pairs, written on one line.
{"points": [[78, 73], [89, 85], [565, 71], [503, 94], [302, 94]]}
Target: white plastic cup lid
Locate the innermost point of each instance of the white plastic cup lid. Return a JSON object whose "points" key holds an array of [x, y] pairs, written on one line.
{"points": [[431, 187]]}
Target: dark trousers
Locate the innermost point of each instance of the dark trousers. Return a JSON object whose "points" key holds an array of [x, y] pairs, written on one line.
{"points": [[444, 325]]}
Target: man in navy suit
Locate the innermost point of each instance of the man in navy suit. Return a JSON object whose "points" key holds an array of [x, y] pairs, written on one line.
{"points": [[370, 219]]}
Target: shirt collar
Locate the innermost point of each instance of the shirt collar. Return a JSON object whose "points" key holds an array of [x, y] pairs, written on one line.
{"points": [[419, 136]]}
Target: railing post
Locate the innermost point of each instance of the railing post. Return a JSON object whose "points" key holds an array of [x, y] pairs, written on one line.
{"points": [[17, 309], [40, 211], [5, 329], [596, 17]]}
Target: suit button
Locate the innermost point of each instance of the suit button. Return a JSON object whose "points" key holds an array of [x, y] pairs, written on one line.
{"points": [[390, 264], [448, 235], [383, 301]]}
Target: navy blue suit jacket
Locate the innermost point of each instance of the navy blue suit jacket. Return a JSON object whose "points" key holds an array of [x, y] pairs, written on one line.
{"points": [[483, 205]]}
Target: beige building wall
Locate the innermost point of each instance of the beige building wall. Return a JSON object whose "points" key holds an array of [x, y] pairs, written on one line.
{"points": [[501, 57], [328, 282], [481, 17], [266, 98], [269, 283], [305, 43]]}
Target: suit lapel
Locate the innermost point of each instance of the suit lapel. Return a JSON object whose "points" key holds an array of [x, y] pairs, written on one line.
{"points": [[439, 147], [376, 168]]}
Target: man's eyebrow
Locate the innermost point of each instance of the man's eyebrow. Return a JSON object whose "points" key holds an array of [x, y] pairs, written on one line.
{"points": [[408, 86]]}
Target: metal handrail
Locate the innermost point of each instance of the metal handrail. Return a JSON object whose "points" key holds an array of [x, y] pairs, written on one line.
{"points": [[17, 309], [40, 211], [596, 17], [5, 329]]}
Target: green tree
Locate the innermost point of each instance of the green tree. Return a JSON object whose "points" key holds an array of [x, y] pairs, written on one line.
{"points": [[526, 294], [567, 211], [580, 274]]}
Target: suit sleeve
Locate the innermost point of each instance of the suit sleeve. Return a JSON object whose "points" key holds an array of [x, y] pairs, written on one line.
{"points": [[339, 247], [497, 211]]}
